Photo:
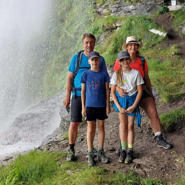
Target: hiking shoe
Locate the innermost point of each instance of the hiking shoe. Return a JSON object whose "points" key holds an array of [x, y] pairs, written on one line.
{"points": [[90, 159], [95, 152], [118, 151], [161, 142], [129, 157], [71, 156], [102, 157], [122, 156]]}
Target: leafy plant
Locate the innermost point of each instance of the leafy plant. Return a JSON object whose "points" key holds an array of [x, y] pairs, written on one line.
{"points": [[164, 9]]}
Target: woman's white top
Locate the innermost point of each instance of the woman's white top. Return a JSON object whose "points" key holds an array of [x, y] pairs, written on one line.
{"points": [[130, 81]]}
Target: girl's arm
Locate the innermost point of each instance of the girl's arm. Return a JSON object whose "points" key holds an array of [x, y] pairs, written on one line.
{"points": [[113, 90], [138, 97], [107, 97], [83, 99]]}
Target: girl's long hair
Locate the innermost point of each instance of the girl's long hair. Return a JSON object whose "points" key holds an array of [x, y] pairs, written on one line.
{"points": [[119, 76]]}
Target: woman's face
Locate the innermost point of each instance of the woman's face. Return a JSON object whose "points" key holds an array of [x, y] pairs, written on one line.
{"points": [[132, 48]]}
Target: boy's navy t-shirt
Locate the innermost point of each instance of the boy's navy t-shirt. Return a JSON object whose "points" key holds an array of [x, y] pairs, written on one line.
{"points": [[84, 65], [95, 87]]}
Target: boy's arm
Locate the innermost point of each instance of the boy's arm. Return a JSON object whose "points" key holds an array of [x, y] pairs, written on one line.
{"points": [[138, 97], [107, 97], [83, 99], [113, 90], [66, 100]]}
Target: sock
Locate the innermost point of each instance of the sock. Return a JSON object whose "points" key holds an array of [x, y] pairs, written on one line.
{"points": [[124, 145], [71, 146], [157, 133], [100, 148], [90, 151], [130, 146]]}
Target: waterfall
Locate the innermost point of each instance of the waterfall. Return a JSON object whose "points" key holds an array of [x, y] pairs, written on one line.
{"points": [[37, 41], [22, 23], [24, 28]]}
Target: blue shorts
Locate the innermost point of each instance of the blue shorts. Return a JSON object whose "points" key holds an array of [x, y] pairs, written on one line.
{"points": [[125, 102]]}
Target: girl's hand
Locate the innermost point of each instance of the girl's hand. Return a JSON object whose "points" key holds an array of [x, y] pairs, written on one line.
{"points": [[108, 110], [130, 109], [122, 110], [83, 112]]}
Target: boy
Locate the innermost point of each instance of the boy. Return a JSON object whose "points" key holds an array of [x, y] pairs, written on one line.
{"points": [[95, 104]]}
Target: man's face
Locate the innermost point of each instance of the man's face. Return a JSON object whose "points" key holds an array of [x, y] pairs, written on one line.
{"points": [[88, 44]]}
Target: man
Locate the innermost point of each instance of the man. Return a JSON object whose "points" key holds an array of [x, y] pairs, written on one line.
{"points": [[88, 43]]}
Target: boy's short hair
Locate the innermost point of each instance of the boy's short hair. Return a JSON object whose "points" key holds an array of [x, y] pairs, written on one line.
{"points": [[93, 54], [88, 35]]}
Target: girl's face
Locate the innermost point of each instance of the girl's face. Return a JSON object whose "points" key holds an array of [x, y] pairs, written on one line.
{"points": [[125, 62], [132, 48]]}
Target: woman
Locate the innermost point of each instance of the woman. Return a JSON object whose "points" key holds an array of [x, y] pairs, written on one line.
{"points": [[147, 102]]}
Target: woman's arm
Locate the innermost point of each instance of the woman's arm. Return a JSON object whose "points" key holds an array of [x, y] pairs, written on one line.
{"points": [[83, 99], [121, 92], [136, 102], [148, 84], [107, 97], [113, 90]]}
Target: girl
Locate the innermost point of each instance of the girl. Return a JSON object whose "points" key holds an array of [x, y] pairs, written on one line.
{"points": [[131, 80]]}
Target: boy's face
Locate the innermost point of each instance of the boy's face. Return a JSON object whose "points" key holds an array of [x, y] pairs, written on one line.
{"points": [[94, 62]]}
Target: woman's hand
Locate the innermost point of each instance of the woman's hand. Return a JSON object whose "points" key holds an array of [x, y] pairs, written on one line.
{"points": [[121, 92]]}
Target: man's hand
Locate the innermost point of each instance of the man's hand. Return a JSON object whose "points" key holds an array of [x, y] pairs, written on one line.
{"points": [[66, 101]]}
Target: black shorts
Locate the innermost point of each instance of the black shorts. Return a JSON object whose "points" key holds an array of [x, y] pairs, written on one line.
{"points": [[145, 95], [76, 109], [94, 113]]}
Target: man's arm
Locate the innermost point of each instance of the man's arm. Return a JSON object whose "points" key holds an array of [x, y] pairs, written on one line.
{"points": [[107, 97], [66, 100]]}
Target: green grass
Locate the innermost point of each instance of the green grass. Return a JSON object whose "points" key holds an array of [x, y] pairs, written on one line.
{"points": [[51, 168], [171, 119], [167, 78], [138, 26], [179, 17]]}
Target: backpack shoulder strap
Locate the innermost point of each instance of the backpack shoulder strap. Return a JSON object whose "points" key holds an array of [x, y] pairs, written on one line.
{"points": [[142, 62], [78, 62]]}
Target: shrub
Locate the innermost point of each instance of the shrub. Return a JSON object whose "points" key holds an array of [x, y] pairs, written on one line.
{"points": [[164, 9]]}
